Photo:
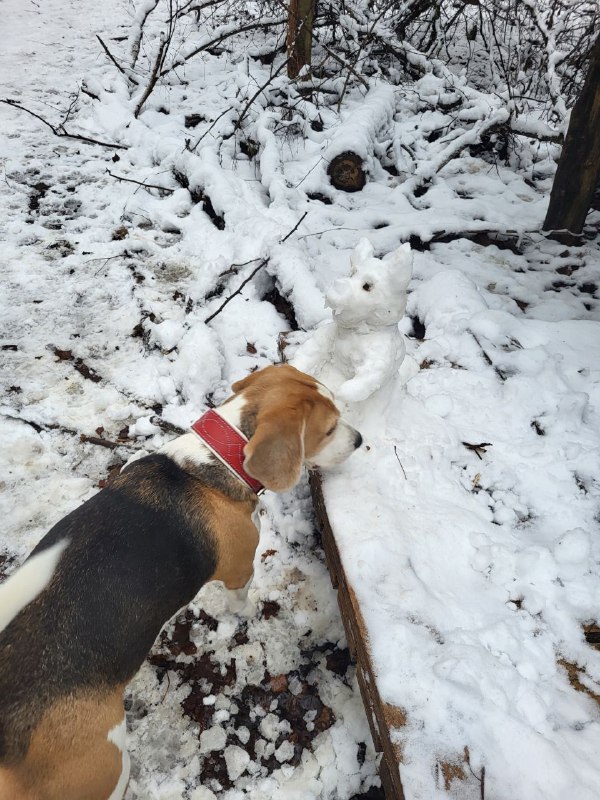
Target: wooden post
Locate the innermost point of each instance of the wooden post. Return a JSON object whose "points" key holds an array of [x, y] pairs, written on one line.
{"points": [[299, 36], [578, 171]]}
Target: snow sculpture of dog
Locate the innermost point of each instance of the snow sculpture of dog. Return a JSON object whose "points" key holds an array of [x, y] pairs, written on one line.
{"points": [[362, 348]]}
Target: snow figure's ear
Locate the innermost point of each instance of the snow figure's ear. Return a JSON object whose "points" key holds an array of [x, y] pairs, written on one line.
{"points": [[275, 453], [363, 252]]}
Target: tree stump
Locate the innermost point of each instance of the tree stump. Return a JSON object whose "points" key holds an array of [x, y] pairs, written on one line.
{"points": [[346, 172]]}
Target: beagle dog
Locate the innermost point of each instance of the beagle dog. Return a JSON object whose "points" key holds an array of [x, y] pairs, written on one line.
{"points": [[78, 618]]}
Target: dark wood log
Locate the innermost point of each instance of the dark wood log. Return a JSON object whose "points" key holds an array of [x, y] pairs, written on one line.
{"points": [[301, 14], [383, 718], [578, 171], [346, 172]]}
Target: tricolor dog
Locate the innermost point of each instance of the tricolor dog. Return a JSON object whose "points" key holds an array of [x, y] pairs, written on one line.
{"points": [[78, 618]]}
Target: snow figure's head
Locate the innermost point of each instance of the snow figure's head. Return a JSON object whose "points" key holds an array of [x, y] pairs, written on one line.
{"points": [[375, 292]]}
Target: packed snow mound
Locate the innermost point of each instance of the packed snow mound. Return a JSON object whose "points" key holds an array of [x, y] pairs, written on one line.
{"points": [[362, 349]]}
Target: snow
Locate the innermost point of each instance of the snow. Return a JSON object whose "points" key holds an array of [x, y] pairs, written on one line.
{"points": [[212, 739], [438, 582], [237, 760], [475, 566]]}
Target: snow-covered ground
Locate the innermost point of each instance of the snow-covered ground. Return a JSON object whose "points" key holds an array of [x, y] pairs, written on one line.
{"points": [[92, 305], [467, 525]]}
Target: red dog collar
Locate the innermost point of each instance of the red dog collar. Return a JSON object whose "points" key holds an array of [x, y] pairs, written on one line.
{"points": [[227, 444]]}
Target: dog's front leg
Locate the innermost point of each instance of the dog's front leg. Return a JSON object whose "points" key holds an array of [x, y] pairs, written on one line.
{"points": [[237, 543], [239, 601]]}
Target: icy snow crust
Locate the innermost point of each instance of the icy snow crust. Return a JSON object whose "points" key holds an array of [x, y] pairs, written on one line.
{"points": [[474, 575]]}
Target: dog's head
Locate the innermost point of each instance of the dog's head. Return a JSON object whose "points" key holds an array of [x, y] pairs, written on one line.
{"points": [[290, 420]]}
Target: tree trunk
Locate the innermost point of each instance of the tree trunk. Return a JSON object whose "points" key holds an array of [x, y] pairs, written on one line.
{"points": [[299, 36], [578, 170]]}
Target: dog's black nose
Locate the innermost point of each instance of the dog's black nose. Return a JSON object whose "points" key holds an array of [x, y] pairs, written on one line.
{"points": [[358, 440]]}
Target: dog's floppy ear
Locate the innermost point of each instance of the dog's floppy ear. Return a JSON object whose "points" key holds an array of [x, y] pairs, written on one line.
{"points": [[238, 386], [275, 453]]}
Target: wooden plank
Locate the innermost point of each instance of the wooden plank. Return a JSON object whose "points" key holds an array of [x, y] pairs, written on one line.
{"points": [[383, 717]]}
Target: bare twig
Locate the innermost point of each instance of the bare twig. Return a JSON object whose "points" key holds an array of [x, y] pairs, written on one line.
{"points": [[70, 109], [221, 38], [398, 457], [247, 280], [121, 69], [502, 375], [135, 47], [88, 92], [154, 76], [209, 129], [362, 46], [478, 449], [60, 131], [162, 699], [295, 228], [327, 230], [257, 93], [262, 264], [487, 359], [197, 9], [36, 427]]}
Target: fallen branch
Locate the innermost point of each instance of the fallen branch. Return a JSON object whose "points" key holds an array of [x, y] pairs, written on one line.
{"points": [[502, 375], [140, 183], [55, 427], [100, 441], [486, 237], [470, 137], [60, 131], [167, 426]]}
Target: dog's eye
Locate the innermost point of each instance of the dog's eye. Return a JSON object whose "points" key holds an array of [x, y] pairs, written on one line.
{"points": [[331, 430]]}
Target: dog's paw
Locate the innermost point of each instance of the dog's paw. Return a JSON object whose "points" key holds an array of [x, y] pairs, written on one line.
{"points": [[239, 602]]}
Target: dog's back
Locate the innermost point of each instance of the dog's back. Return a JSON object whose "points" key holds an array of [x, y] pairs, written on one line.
{"points": [[83, 612]]}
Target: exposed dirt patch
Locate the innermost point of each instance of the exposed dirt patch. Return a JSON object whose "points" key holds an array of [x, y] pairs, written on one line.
{"points": [[297, 713]]}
